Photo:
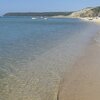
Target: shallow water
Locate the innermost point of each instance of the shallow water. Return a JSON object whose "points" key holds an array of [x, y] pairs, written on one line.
{"points": [[34, 54]]}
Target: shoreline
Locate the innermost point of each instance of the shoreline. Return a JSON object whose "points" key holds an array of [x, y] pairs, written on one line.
{"points": [[88, 19], [40, 78], [83, 80]]}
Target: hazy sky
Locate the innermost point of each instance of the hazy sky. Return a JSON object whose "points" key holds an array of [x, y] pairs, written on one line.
{"points": [[44, 5]]}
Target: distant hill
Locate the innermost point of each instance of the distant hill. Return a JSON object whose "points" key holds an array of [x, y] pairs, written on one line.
{"points": [[87, 12], [48, 14]]}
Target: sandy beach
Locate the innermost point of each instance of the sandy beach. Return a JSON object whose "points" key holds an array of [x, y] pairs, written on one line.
{"points": [[87, 19], [33, 83], [95, 20], [39, 78], [83, 81], [50, 50], [54, 73]]}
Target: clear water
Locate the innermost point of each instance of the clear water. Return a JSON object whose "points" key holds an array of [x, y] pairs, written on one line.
{"points": [[23, 38], [22, 41]]}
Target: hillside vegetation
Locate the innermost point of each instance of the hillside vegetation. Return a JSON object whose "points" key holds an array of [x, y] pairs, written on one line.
{"points": [[48, 14], [87, 12]]}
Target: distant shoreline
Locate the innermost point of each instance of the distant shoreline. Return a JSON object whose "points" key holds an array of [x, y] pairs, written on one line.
{"points": [[89, 12], [34, 14]]}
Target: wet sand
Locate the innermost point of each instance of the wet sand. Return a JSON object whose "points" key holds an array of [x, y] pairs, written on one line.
{"points": [[83, 81]]}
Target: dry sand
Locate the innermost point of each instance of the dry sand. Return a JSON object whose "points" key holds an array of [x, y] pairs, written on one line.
{"points": [[95, 19], [88, 19], [83, 81]]}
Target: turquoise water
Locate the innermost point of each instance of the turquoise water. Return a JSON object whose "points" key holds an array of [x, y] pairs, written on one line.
{"points": [[24, 37], [23, 40]]}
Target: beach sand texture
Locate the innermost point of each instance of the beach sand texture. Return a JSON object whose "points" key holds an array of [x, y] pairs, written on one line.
{"points": [[83, 81]]}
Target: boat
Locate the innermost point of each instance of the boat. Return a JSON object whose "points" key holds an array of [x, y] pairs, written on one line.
{"points": [[34, 18]]}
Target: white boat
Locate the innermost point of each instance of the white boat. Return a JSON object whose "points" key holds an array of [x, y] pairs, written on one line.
{"points": [[34, 18]]}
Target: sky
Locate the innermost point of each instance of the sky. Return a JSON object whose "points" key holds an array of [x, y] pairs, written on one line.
{"points": [[45, 5]]}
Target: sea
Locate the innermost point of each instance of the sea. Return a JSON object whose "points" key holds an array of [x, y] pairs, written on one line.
{"points": [[35, 53]]}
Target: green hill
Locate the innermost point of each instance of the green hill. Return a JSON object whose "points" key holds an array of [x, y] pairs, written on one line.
{"points": [[48, 14]]}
